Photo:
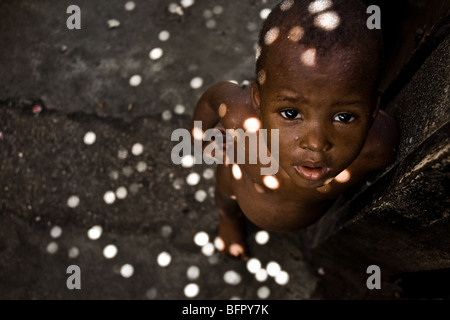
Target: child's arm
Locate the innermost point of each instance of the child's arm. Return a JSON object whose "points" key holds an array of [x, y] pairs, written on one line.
{"points": [[225, 93]]}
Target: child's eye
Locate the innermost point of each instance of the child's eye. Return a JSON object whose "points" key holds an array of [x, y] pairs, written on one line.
{"points": [[290, 114], [344, 117]]}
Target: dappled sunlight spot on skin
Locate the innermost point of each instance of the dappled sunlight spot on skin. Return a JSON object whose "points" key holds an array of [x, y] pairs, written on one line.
{"points": [[308, 57], [257, 52], [222, 110], [319, 6], [342, 177], [324, 189], [296, 34], [233, 197], [327, 21], [271, 36], [261, 77], [219, 243], [259, 188], [236, 170], [252, 125], [271, 182], [286, 5], [236, 249], [198, 133]]}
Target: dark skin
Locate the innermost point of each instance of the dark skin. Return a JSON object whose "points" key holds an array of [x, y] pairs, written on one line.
{"points": [[331, 134]]}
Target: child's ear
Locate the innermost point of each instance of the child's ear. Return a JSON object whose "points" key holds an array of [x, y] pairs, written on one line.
{"points": [[256, 98]]}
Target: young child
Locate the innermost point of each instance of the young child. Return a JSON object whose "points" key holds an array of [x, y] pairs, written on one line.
{"points": [[318, 69]]}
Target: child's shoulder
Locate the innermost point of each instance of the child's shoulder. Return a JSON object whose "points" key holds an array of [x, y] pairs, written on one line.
{"points": [[382, 141], [232, 102]]}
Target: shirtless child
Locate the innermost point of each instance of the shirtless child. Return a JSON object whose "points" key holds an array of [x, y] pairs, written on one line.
{"points": [[318, 69]]}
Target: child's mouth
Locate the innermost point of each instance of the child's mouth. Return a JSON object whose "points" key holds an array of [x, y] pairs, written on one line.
{"points": [[312, 173]]}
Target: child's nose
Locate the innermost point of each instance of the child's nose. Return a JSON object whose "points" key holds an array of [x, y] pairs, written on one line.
{"points": [[314, 138]]}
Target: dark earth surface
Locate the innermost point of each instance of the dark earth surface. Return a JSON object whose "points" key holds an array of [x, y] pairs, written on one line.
{"points": [[56, 85]]}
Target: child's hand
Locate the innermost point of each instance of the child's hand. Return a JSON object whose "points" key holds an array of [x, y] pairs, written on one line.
{"points": [[219, 150]]}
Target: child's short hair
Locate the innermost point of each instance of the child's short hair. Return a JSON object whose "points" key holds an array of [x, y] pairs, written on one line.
{"points": [[328, 26]]}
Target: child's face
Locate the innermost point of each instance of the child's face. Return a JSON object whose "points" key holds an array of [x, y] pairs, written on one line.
{"points": [[323, 112]]}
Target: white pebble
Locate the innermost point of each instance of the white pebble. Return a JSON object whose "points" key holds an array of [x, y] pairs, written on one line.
{"points": [[187, 161], [196, 83], [141, 166], [164, 35], [130, 5], [156, 53], [253, 265], [179, 109], [113, 23], [121, 193], [208, 249], [282, 278], [137, 149], [52, 247], [263, 292], [110, 251], [232, 277], [135, 80], [89, 138], [166, 115], [73, 201], [191, 290], [200, 195], [164, 259], [55, 232], [201, 238], [264, 13], [193, 179], [73, 252], [95, 232], [193, 273], [187, 3], [208, 174], [127, 270], [262, 237], [109, 197]]}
